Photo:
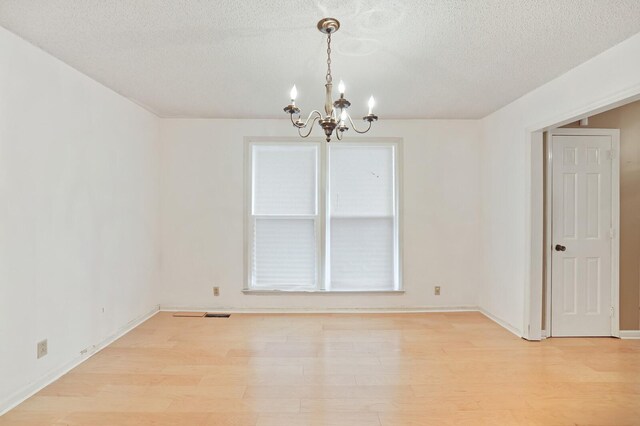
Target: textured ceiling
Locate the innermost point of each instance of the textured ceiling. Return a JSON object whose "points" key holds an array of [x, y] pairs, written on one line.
{"points": [[238, 58]]}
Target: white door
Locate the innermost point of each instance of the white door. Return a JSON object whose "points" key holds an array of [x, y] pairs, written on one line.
{"points": [[582, 234]]}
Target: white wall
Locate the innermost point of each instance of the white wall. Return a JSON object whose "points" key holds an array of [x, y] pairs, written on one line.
{"points": [[604, 81], [78, 208], [202, 215]]}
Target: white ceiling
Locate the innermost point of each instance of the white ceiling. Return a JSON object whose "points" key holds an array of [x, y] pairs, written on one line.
{"points": [[238, 58]]}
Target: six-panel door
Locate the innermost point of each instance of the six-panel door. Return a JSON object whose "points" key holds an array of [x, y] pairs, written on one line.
{"points": [[581, 239]]}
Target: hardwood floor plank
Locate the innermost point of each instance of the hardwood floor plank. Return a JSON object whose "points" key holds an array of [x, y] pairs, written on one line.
{"points": [[136, 419], [326, 391], [319, 419], [235, 405], [28, 418], [453, 418]]}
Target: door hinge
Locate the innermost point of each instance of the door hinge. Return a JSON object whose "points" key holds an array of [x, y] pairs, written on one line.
{"points": [[612, 312], [612, 233], [612, 154]]}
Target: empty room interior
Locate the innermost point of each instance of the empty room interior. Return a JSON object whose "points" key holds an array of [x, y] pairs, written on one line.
{"points": [[362, 213]]}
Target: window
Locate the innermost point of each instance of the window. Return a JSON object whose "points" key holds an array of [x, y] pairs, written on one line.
{"points": [[322, 217]]}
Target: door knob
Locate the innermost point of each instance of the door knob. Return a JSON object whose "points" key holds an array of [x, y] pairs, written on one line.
{"points": [[560, 247]]}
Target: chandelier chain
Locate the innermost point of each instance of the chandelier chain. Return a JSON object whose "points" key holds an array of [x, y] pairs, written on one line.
{"points": [[329, 78]]}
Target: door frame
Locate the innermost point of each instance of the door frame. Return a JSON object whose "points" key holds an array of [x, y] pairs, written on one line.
{"points": [[615, 220], [533, 258]]}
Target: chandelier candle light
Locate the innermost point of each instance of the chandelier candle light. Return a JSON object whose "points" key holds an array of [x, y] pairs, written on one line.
{"points": [[336, 115]]}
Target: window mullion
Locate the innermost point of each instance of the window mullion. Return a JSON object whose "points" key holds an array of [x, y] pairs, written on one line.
{"points": [[322, 219]]}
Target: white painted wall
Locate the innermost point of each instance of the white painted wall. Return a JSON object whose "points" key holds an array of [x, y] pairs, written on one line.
{"points": [[78, 208], [604, 81], [202, 215]]}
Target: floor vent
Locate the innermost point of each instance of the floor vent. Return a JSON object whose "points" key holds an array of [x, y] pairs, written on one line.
{"points": [[189, 314], [214, 315]]}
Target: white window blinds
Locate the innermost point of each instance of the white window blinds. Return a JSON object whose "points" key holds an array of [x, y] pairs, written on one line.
{"points": [[284, 216], [285, 253], [362, 218], [361, 180], [284, 180]]}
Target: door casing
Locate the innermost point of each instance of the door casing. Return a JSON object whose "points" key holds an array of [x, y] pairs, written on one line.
{"points": [[615, 220]]}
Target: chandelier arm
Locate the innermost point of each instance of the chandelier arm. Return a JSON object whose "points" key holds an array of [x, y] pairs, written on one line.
{"points": [[302, 125], [310, 127], [339, 135], [353, 126]]}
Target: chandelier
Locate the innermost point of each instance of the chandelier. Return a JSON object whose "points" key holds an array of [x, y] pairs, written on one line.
{"points": [[335, 112]]}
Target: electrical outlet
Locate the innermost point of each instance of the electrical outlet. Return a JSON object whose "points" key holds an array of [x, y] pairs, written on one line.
{"points": [[216, 291], [42, 348], [436, 290]]}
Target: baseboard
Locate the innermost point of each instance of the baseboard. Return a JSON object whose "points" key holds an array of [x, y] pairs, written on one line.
{"points": [[169, 308], [630, 334], [624, 334], [501, 322], [32, 388]]}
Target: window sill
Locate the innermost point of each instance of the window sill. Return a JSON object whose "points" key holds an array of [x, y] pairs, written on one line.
{"points": [[253, 291]]}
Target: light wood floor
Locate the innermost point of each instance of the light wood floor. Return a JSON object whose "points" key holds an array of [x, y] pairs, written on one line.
{"points": [[390, 370]]}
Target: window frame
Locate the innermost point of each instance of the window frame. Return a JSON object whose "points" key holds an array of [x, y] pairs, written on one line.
{"points": [[322, 213]]}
